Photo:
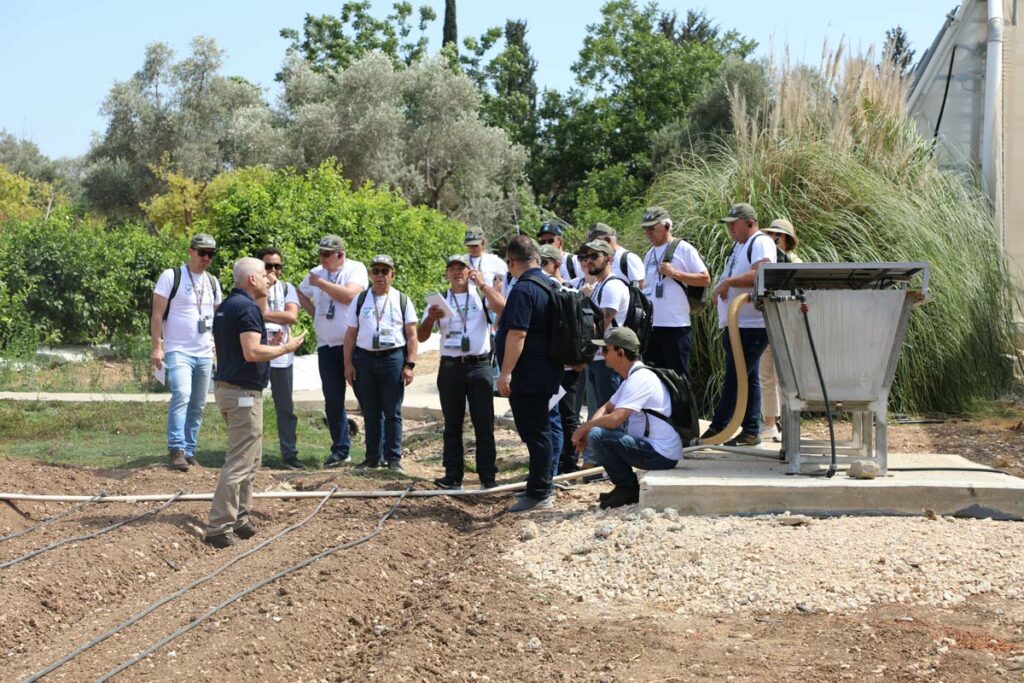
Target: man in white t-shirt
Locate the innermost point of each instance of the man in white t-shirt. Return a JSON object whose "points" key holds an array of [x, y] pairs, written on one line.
{"points": [[464, 375], [669, 264], [281, 312], [649, 441], [750, 247], [380, 356], [625, 264], [492, 268], [181, 330], [326, 293]]}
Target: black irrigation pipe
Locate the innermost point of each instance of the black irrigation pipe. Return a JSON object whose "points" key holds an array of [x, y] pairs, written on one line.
{"points": [[138, 616], [250, 589], [54, 518], [86, 537]]}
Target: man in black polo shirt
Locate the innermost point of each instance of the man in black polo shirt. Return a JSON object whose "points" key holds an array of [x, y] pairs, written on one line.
{"points": [[528, 375], [243, 370]]}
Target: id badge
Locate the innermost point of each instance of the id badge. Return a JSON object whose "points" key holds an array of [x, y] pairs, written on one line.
{"points": [[452, 340], [386, 338], [659, 290], [330, 312], [203, 325]]}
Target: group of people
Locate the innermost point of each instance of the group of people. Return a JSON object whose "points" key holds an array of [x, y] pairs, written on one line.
{"points": [[494, 326]]}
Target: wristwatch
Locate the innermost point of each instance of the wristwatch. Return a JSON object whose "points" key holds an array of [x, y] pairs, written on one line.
{"points": [[410, 365]]}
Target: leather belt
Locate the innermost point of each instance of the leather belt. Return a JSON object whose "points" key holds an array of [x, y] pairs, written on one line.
{"points": [[466, 360]]}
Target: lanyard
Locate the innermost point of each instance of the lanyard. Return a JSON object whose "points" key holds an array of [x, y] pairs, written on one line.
{"points": [[200, 293], [654, 259], [272, 301], [333, 280], [379, 313], [463, 312]]}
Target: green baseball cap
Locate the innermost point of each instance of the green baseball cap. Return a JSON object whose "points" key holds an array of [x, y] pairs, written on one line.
{"points": [[203, 241], [600, 246], [458, 258], [620, 337], [382, 260], [739, 212], [653, 215], [474, 236], [332, 243], [598, 230], [549, 252]]}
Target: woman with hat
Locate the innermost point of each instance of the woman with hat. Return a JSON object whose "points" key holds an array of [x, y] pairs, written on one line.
{"points": [[784, 235]]}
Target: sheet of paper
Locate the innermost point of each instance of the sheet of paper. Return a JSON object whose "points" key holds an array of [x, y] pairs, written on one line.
{"points": [[436, 299], [556, 398], [160, 374]]}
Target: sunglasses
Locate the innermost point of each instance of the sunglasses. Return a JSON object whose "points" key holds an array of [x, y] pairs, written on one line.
{"points": [[379, 271], [547, 241], [273, 266], [589, 257], [327, 254], [206, 253]]}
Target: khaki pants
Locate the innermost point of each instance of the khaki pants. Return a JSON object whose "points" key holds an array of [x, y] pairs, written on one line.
{"points": [[769, 385], [233, 498]]}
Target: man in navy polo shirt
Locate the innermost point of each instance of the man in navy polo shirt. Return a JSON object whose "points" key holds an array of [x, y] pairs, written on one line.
{"points": [[243, 370], [528, 375]]}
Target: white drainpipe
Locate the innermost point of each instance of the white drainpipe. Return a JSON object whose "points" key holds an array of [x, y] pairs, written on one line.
{"points": [[993, 100]]}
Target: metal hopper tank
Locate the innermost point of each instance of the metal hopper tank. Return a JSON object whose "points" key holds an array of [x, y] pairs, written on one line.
{"points": [[858, 315]]}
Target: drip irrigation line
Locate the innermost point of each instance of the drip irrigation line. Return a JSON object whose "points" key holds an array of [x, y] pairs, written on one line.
{"points": [[252, 588], [139, 616], [86, 537], [54, 518]]}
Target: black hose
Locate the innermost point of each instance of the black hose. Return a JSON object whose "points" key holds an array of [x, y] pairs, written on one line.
{"points": [[138, 616], [945, 93], [54, 518], [832, 468], [250, 589]]}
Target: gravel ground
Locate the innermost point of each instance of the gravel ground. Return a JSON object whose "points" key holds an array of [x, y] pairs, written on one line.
{"points": [[733, 565]]}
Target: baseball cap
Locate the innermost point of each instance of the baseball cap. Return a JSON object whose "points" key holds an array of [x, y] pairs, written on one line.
{"points": [[621, 337], [549, 252], [550, 228], [474, 236], [458, 258], [203, 241], [332, 243], [382, 260], [600, 246], [738, 212], [653, 215], [598, 230]]}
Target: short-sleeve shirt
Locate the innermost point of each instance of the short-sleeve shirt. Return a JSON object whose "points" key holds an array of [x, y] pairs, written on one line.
{"points": [[643, 390], [612, 294], [279, 296], [470, 321], [197, 297], [761, 248], [526, 309], [571, 267], [490, 266], [330, 331], [671, 309], [239, 313], [381, 317], [634, 266]]}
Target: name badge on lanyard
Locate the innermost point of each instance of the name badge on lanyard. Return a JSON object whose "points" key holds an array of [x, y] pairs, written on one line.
{"points": [[385, 337], [205, 322], [458, 334]]}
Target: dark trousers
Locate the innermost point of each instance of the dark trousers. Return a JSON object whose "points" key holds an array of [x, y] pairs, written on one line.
{"points": [[281, 389], [669, 347], [754, 341], [530, 412], [380, 390], [569, 413], [456, 383], [331, 360]]}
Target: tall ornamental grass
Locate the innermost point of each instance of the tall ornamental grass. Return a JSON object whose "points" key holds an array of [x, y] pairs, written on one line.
{"points": [[833, 151]]}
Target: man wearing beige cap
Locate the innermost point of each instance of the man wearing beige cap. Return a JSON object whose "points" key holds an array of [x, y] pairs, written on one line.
{"points": [[625, 264], [181, 330], [493, 270]]}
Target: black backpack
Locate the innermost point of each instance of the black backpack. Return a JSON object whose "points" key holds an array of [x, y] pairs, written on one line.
{"points": [[624, 264], [780, 255], [684, 414], [177, 283], [694, 294], [572, 324], [639, 313], [403, 301]]}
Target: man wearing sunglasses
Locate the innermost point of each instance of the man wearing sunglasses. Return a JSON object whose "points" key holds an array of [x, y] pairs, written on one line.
{"points": [[326, 294], [181, 330], [625, 264], [282, 310], [551, 233]]}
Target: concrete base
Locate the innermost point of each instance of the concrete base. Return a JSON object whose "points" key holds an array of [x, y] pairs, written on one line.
{"points": [[713, 484]]}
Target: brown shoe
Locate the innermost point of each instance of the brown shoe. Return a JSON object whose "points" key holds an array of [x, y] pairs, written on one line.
{"points": [[178, 461]]}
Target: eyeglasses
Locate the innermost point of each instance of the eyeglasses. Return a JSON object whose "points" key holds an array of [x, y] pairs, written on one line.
{"points": [[379, 271], [273, 266], [547, 241], [327, 254], [589, 257], [206, 253]]}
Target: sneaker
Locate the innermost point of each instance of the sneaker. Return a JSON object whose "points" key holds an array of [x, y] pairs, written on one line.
{"points": [[336, 460], [367, 465], [621, 495], [449, 483], [293, 463], [744, 439], [219, 541], [247, 530], [527, 503], [177, 460], [770, 433], [396, 466]]}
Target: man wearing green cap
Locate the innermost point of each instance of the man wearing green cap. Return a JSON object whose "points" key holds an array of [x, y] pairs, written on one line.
{"points": [[641, 404], [625, 264], [491, 267], [326, 294], [181, 330], [751, 247]]}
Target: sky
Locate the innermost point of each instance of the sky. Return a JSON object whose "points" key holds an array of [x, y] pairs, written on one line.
{"points": [[59, 58]]}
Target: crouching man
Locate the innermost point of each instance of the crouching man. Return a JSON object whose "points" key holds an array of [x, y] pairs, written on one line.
{"points": [[243, 370], [648, 442]]}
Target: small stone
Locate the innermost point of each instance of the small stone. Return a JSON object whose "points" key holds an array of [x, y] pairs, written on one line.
{"points": [[473, 630], [930, 514], [863, 469], [647, 514], [529, 531], [534, 643], [379, 629], [670, 513], [793, 520], [604, 531]]}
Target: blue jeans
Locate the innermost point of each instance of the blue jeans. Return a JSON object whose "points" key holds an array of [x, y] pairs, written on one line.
{"points": [[602, 382], [380, 390], [557, 438], [331, 360], [754, 341], [619, 453], [189, 380]]}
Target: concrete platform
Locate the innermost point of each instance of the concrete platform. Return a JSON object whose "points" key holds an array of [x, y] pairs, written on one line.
{"points": [[713, 484]]}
